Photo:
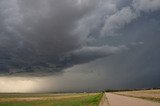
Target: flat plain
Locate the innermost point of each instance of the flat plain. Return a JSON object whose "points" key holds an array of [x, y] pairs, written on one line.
{"points": [[50, 99], [153, 95]]}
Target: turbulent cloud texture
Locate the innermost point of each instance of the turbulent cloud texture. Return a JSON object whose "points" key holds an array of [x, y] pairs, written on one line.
{"points": [[47, 36], [37, 33]]}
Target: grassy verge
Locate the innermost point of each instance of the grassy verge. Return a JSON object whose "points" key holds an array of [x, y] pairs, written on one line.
{"points": [[151, 98], [146, 98], [84, 100], [153, 95]]}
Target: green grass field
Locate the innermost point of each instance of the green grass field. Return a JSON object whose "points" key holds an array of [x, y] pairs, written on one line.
{"points": [[84, 99]]}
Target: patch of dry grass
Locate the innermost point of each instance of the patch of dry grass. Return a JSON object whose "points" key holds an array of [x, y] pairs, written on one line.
{"points": [[75, 99], [33, 97], [144, 94]]}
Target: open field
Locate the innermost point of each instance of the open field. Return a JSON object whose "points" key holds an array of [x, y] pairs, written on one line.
{"points": [[153, 95], [119, 100], [79, 99]]}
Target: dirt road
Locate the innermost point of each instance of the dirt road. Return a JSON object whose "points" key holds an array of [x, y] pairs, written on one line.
{"points": [[117, 100]]}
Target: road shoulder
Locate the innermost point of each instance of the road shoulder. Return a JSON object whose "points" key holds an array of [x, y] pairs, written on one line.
{"points": [[104, 101]]}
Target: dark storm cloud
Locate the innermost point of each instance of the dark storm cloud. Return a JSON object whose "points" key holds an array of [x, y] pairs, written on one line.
{"points": [[35, 34], [46, 25], [47, 36], [112, 15], [39, 36], [100, 44], [87, 54]]}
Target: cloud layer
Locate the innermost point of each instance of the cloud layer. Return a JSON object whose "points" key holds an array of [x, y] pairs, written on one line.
{"points": [[49, 36], [36, 33]]}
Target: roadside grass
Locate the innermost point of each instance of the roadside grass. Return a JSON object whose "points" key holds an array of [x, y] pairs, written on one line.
{"points": [[83, 100], [153, 95], [151, 98]]}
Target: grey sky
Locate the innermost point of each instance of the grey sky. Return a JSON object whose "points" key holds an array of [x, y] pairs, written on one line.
{"points": [[110, 42]]}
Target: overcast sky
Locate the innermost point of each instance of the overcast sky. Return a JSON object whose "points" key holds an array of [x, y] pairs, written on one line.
{"points": [[79, 45]]}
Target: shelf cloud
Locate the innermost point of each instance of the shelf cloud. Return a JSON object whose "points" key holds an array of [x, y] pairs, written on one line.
{"points": [[49, 36]]}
